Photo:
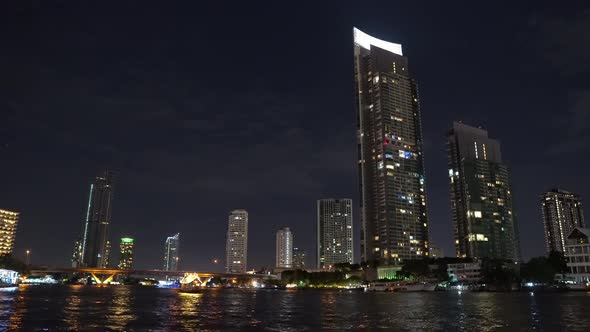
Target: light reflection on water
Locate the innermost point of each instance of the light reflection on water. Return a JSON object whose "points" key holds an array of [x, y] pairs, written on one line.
{"points": [[143, 308], [72, 308], [120, 310]]}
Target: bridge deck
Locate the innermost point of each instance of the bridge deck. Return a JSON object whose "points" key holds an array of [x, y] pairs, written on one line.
{"points": [[39, 270]]}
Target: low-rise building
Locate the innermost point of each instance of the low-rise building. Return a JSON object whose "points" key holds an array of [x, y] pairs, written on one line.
{"points": [[465, 272], [577, 254]]}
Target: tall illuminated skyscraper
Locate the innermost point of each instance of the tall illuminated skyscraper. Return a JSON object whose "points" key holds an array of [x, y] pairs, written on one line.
{"points": [[126, 256], [171, 252], [98, 218], [334, 232], [284, 248], [236, 249], [394, 224], [481, 196], [562, 212], [8, 224]]}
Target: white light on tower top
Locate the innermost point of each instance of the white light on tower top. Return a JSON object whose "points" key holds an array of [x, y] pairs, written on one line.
{"points": [[365, 41]]}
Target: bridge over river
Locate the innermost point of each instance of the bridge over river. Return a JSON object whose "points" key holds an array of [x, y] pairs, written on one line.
{"points": [[106, 275]]}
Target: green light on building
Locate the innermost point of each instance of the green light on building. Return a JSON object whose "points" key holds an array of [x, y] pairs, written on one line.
{"points": [[126, 240], [388, 272]]}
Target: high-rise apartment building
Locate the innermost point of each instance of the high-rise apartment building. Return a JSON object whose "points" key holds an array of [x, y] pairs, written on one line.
{"points": [[562, 213], [171, 252], [481, 197], [394, 223], [8, 223], [334, 232], [236, 249], [298, 258], [98, 218], [284, 248], [126, 253]]}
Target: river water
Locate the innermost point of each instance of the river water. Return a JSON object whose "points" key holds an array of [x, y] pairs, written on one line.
{"points": [[128, 308]]}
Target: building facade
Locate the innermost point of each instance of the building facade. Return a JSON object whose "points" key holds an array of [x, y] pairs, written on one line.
{"points": [[334, 232], [562, 212], [236, 249], [171, 252], [465, 272], [436, 252], [298, 258], [481, 198], [284, 248], [98, 219], [8, 224], [77, 253], [577, 254], [394, 222], [126, 253]]}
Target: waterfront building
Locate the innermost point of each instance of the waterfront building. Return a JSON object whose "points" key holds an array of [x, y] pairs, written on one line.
{"points": [[577, 254], [387, 272], [394, 222], [562, 212], [236, 249], [98, 218], [171, 252], [465, 272], [126, 256], [8, 224], [298, 258], [284, 248], [334, 232], [77, 253], [481, 196]]}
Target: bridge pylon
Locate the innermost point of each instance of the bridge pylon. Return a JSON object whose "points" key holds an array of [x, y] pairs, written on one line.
{"points": [[108, 279]]}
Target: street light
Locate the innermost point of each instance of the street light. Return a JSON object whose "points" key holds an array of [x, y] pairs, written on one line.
{"points": [[28, 257]]}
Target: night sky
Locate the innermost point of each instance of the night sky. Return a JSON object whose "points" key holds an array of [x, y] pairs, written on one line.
{"points": [[204, 109]]}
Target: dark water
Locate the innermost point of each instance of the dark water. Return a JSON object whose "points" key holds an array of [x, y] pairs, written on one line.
{"points": [[37, 308]]}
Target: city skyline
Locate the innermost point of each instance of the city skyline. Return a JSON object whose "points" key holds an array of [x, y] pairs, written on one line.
{"points": [[168, 123]]}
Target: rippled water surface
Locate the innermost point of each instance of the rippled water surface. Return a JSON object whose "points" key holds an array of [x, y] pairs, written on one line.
{"points": [[63, 308]]}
